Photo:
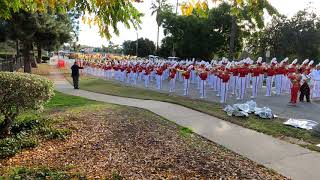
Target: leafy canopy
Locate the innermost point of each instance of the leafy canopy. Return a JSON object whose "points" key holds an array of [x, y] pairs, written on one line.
{"points": [[105, 14], [251, 10]]}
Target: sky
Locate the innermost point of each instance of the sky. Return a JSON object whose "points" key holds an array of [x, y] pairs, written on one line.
{"points": [[90, 36]]}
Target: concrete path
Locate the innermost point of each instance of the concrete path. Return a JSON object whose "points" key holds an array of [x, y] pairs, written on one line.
{"points": [[288, 159]]}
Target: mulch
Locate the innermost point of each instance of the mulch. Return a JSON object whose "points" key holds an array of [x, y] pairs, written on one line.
{"points": [[138, 145]]}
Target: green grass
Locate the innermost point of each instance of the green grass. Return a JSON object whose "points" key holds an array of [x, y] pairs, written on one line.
{"points": [[273, 127], [185, 132], [61, 100]]}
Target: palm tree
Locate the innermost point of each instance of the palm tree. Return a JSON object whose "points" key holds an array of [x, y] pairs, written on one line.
{"points": [[157, 7]]}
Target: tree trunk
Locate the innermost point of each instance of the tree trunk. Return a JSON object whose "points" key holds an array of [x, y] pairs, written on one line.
{"points": [[26, 56], [17, 48], [232, 37], [39, 58], [158, 38], [32, 58], [5, 127]]}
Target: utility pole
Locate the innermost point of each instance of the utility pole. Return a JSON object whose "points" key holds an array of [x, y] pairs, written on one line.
{"points": [[173, 46], [177, 7], [137, 45]]}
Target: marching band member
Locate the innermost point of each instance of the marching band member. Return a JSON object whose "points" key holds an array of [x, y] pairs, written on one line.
{"points": [[243, 71], [255, 75], [147, 73], [159, 72], [225, 77], [304, 88], [203, 75], [279, 78], [261, 75], [270, 71], [234, 79], [186, 75], [295, 80], [172, 78], [315, 77]]}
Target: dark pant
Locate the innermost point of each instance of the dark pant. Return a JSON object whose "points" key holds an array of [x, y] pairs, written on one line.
{"points": [[305, 91], [75, 82]]}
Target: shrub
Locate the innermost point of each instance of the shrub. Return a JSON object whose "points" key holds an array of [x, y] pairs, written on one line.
{"points": [[19, 92], [11, 145], [45, 59], [316, 131]]}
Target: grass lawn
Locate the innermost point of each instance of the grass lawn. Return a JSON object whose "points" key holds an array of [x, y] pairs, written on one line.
{"points": [[118, 142], [273, 127]]}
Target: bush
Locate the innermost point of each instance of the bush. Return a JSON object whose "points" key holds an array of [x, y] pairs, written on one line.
{"points": [[316, 131], [41, 173], [45, 59], [12, 145], [19, 92]]}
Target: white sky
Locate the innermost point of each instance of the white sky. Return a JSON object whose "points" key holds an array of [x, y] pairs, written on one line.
{"points": [[90, 36]]}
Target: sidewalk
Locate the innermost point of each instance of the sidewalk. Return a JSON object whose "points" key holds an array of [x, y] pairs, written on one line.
{"points": [[288, 159]]}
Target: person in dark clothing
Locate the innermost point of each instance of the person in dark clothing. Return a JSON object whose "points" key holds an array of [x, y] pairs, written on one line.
{"points": [[305, 89], [75, 75]]}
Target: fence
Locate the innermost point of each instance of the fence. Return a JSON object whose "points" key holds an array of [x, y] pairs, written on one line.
{"points": [[11, 64]]}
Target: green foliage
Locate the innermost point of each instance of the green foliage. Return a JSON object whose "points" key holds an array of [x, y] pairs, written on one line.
{"points": [[54, 133], [185, 132], [316, 131], [107, 13], [12, 145], [296, 37], [41, 173], [145, 47], [116, 176], [45, 58], [198, 37], [20, 92]]}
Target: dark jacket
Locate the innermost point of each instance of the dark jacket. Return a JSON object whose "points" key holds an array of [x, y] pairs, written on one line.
{"points": [[75, 70]]}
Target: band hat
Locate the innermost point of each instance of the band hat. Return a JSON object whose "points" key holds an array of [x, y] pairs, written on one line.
{"points": [[311, 63], [305, 61]]}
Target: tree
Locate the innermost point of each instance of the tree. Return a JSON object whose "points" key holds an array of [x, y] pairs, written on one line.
{"points": [[249, 10], [198, 36], [145, 48], [46, 31], [296, 37], [19, 92], [52, 32], [157, 8], [107, 14]]}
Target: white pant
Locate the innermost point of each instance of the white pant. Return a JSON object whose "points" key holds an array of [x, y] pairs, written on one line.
{"points": [[202, 88], [261, 79], [186, 87], [255, 86], [172, 85], [315, 89], [269, 85], [223, 92], [279, 83], [242, 87], [146, 80], [159, 82]]}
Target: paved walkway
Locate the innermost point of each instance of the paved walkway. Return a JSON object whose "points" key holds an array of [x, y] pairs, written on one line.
{"points": [[288, 159]]}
